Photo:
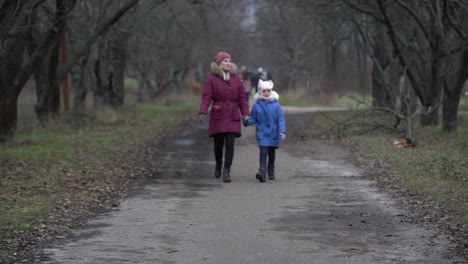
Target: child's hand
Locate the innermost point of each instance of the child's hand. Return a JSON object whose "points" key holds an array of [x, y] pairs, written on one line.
{"points": [[245, 120], [282, 137]]}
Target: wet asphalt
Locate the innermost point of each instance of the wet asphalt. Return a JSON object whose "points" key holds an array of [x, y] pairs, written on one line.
{"points": [[320, 209]]}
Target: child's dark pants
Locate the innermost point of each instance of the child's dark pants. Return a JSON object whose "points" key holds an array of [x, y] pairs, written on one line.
{"points": [[267, 153]]}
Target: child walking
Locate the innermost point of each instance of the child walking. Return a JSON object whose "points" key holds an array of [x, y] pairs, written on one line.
{"points": [[271, 127]]}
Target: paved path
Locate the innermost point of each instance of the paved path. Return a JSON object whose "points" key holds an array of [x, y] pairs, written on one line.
{"points": [[320, 210]]}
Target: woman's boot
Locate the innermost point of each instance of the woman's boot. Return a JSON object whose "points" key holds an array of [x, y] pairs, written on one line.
{"points": [[218, 171], [226, 176]]}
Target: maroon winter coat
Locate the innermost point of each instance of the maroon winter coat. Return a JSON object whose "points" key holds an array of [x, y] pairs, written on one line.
{"points": [[227, 100]]}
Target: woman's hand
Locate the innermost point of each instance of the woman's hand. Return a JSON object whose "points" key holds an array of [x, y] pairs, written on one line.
{"points": [[202, 118]]}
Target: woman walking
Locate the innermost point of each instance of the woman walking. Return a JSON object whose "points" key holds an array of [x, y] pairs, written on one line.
{"points": [[225, 94]]}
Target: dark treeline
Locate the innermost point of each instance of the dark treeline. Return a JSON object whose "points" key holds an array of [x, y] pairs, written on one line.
{"points": [[318, 46]]}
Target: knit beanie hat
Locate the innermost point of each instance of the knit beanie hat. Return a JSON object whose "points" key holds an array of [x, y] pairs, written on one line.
{"points": [[222, 55], [262, 85]]}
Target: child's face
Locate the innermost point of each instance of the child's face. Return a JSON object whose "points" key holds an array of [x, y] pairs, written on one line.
{"points": [[266, 92]]}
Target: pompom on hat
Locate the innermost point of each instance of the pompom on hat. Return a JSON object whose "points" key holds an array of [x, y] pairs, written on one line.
{"points": [[222, 55]]}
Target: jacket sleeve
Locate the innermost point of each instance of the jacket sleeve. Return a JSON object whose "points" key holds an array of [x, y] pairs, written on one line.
{"points": [[207, 97], [281, 120], [243, 104], [253, 116]]}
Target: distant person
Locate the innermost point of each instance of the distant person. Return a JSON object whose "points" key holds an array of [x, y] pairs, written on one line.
{"points": [[245, 77], [225, 93], [265, 74], [254, 80], [268, 115], [262, 74]]}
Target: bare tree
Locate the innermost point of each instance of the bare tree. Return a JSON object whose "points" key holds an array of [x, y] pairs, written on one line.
{"points": [[45, 76], [457, 13], [171, 41], [424, 42], [313, 44], [103, 50], [17, 67], [286, 36], [16, 25]]}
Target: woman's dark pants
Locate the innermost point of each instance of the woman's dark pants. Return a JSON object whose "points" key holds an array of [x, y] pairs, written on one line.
{"points": [[224, 140]]}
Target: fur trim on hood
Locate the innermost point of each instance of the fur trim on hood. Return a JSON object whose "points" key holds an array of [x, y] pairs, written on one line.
{"points": [[274, 94], [216, 69]]}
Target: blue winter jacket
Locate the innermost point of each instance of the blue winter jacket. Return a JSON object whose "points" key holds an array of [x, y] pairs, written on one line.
{"points": [[270, 121]]}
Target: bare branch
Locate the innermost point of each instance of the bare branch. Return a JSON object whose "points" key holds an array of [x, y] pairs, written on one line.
{"points": [[100, 29], [453, 9], [363, 10], [416, 19]]}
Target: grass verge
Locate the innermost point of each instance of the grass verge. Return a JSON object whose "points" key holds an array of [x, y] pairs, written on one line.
{"points": [[51, 175], [302, 98], [436, 169], [430, 178]]}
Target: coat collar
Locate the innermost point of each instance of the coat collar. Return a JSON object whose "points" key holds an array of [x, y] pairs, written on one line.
{"points": [[216, 69], [274, 94]]}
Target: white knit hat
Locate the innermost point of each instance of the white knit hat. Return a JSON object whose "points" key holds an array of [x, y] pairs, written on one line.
{"points": [[262, 85], [265, 85]]}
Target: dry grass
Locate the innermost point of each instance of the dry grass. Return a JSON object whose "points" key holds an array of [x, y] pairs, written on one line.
{"points": [[303, 97], [436, 169], [431, 178], [50, 176]]}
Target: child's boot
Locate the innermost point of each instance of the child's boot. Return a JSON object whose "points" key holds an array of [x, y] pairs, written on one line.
{"points": [[226, 174], [271, 173], [261, 175]]}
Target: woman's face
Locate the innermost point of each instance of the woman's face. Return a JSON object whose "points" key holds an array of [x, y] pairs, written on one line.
{"points": [[226, 64]]}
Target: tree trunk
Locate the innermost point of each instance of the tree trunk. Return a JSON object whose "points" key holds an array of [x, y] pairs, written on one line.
{"points": [[431, 97], [408, 100], [331, 71], [362, 67], [119, 56], [99, 91], [450, 110], [141, 90], [8, 115], [64, 57], [47, 86], [431, 102], [451, 97], [380, 92], [40, 108], [80, 91], [14, 44], [382, 72], [430, 114], [109, 88], [291, 77]]}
